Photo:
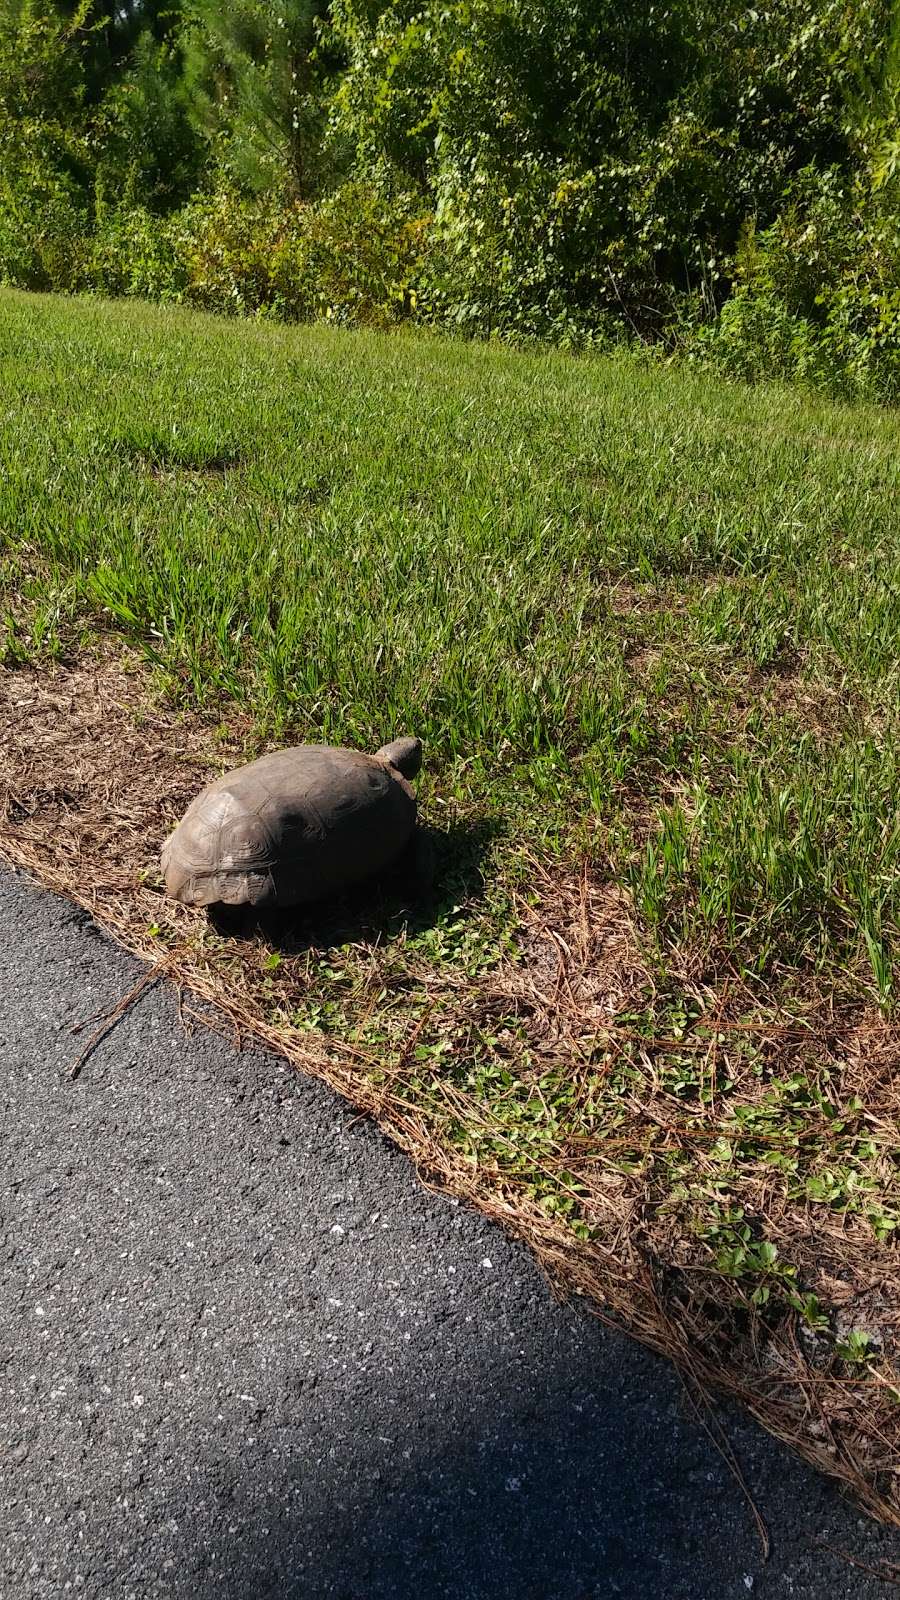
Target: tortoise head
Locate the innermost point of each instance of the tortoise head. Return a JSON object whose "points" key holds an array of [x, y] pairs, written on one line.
{"points": [[404, 754]]}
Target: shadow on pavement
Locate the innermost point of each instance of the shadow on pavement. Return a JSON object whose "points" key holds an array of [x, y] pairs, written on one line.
{"points": [[245, 1354], [570, 1470], [555, 1488]]}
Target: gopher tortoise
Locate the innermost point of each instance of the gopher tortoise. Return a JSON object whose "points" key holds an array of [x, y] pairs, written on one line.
{"points": [[295, 826]]}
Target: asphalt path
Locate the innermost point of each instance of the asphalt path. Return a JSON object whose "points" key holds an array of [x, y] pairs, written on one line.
{"points": [[245, 1354]]}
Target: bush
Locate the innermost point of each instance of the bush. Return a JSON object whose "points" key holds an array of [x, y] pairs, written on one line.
{"points": [[355, 257], [817, 294], [364, 256], [134, 252], [228, 244], [44, 231]]}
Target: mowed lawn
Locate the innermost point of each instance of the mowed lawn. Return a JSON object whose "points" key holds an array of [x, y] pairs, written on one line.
{"points": [[647, 625]]}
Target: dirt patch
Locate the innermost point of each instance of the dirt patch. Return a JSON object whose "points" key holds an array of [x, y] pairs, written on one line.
{"points": [[782, 690], [786, 691], [95, 773], [643, 1152]]}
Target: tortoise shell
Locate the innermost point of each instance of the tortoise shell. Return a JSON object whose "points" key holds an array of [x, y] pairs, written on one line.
{"points": [[295, 826]]}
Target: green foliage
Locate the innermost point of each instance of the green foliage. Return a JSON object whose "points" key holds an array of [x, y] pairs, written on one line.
{"points": [[356, 257], [250, 74], [233, 247], [134, 251], [739, 1253], [44, 145], [43, 228], [817, 294], [857, 1348], [589, 162], [364, 256], [705, 177], [147, 152]]}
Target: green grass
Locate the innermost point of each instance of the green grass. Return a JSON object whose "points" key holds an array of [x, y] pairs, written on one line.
{"points": [[577, 580], [641, 620]]}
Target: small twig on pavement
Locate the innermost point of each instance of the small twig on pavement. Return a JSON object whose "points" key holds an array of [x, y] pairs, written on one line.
{"points": [[147, 981], [887, 1571]]}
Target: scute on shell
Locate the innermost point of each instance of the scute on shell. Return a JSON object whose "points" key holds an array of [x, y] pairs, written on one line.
{"points": [[294, 826]]}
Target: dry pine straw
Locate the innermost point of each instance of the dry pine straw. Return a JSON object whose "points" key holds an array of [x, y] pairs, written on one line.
{"points": [[93, 773]]}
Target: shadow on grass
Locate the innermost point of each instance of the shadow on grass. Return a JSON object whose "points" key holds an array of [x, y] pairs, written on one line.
{"points": [[158, 456], [402, 900]]}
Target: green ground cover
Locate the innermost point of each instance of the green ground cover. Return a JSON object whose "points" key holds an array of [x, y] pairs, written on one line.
{"points": [[647, 626], [575, 579]]}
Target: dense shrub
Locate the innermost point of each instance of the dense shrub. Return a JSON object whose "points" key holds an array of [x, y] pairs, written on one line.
{"points": [[355, 257], [694, 173], [44, 149], [817, 294], [136, 252], [43, 230]]}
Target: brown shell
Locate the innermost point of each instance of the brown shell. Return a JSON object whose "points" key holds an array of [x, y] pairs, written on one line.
{"points": [[294, 826]]}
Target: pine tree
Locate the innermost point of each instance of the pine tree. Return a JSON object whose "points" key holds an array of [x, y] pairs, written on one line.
{"points": [[252, 77]]}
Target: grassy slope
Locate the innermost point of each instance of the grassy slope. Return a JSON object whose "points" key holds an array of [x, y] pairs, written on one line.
{"points": [[574, 579], [639, 619]]}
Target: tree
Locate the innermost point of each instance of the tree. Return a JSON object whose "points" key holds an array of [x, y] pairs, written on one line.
{"points": [[252, 78]]}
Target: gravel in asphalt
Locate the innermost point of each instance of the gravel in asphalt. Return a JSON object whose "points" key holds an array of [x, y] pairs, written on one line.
{"points": [[245, 1354]]}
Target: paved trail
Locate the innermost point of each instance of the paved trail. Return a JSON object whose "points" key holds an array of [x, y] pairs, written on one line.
{"points": [[244, 1354]]}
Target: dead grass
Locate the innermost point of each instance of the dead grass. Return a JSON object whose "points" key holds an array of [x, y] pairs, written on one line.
{"points": [[550, 1090]]}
